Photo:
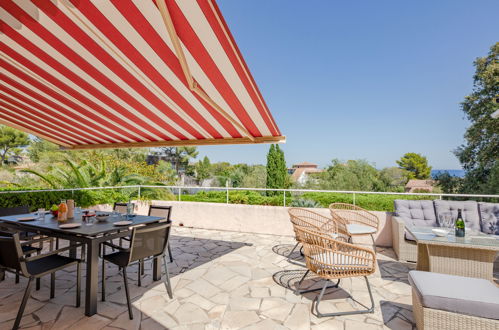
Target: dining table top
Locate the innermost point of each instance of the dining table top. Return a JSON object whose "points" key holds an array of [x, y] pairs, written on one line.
{"points": [[50, 223]]}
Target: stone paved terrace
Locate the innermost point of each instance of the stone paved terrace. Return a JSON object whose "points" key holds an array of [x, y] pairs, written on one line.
{"points": [[221, 280]]}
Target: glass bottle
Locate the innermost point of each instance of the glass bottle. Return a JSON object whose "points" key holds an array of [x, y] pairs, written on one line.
{"points": [[460, 226], [62, 215]]}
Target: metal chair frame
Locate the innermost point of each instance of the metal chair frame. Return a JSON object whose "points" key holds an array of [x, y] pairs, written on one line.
{"points": [[131, 261], [19, 263], [332, 259]]}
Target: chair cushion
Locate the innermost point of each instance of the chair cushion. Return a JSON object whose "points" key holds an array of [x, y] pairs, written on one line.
{"points": [[457, 294], [469, 211], [337, 261], [358, 229], [489, 217], [416, 213]]}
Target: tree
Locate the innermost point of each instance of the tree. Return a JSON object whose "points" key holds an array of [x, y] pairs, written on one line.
{"points": [[277, 173], [448, 183], [40, 147], [393, 178], [352, 175], [416, 165], [203, 168], [179, 156], [11, 140], [479, 155]]}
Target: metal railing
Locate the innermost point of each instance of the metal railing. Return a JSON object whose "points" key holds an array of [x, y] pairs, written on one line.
{"points": [[179, 190]]}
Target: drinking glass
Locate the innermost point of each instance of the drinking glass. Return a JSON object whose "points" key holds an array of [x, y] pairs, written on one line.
{"points": [[41, 214], [77, 213]]}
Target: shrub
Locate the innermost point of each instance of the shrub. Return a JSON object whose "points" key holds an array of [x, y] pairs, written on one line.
{"points": [[305, 203]]}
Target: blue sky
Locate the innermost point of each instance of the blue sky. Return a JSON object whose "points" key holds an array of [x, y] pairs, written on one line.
{"points": [[361, 79]]}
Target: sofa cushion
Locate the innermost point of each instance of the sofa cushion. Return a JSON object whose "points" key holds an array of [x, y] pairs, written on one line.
{"points": [[489, 217], [457, 294], [469, 211], [416, 213]]}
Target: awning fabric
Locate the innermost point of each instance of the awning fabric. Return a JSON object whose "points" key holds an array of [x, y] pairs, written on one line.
{"points": [[123, 73]]}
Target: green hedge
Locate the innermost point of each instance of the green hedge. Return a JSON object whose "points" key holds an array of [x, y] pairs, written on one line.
{"points": [[87, 198], [46, 199], [367, 201]]}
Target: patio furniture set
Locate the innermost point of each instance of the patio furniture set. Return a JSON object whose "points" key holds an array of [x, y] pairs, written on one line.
{"points": [[147, 237], [453, 285]]}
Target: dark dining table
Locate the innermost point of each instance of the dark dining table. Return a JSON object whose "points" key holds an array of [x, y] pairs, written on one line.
{"points": [[89, 235]]}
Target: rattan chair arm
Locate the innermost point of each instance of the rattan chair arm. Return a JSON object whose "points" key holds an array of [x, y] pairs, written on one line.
{"points": [[41, 256]]}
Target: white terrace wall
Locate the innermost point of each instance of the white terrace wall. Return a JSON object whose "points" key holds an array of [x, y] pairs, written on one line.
{"points": [[249, 218]]}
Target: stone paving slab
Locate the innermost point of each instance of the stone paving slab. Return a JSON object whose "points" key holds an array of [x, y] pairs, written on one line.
{"points": [[221, 280]]}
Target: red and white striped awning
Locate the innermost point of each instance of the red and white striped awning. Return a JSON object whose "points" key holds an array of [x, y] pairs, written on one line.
{"points": [[126, 73]]}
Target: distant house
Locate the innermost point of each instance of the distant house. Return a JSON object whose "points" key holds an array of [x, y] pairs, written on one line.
{"points": [[300, 173], [419, 185]]}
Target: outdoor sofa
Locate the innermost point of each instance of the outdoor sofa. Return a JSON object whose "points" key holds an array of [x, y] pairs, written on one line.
{"points": [[479, 216], [441, 301]]}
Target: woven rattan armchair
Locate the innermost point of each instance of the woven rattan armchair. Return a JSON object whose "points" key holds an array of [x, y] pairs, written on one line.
{"points": [[316, 222], [332, 259], [356, 220]]}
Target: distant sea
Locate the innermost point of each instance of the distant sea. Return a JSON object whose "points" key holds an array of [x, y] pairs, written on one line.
{"points": [[458, 173]]}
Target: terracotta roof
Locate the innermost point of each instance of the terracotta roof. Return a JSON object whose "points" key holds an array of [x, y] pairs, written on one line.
{"points": [[305, 164], [299, 171]]}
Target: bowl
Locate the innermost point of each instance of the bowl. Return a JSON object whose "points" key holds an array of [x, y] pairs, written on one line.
{"points": [[440, 232], [101, 217]]}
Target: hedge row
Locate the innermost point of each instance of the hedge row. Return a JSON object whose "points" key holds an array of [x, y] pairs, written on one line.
{"points": [[46, 199], [367, 201], [87, 198]]}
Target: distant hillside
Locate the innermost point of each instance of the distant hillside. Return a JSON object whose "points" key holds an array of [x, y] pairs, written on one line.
{"points": [[458, 173]]}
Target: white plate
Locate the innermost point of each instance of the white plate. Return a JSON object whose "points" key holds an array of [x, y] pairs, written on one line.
{"points": [[69, 225], [26, 219], [440, 232], [123, 223]]}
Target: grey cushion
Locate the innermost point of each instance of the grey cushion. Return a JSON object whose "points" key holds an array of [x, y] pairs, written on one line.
{"points": [[489, 217], [358, 229], [469, 211], [457, 294], [416, 213]]}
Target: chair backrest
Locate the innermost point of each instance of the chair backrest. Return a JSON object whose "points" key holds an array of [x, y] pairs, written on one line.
{"points": [[312, 221], [348, 213], [120, 207], [6, 211], [11, 253], [150, 240], [160, 211]]}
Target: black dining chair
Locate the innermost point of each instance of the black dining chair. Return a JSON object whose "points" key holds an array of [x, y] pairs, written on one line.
{"points": [[164, 212], [146, 242], [13, 258], [27, 249]]}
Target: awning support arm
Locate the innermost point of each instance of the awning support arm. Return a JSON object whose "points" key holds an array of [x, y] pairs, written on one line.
{"points": [[193, 85]]}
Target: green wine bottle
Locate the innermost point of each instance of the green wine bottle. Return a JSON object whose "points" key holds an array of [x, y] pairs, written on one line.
{"points": [[460, 227]]}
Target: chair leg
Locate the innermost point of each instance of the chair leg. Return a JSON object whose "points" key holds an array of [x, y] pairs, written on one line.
{"points": [[125, 280], [293, 250], [142, 264], [168, 284], [298, 291], [52, 285], [38, 279], [374, 243], [78, 284], [139, 275], [23, 304], [170, 252], [103, 278], [17, 277], [363, 311]]}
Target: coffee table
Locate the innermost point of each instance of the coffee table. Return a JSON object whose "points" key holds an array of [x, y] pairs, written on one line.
{"points": [[471, 256]]}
